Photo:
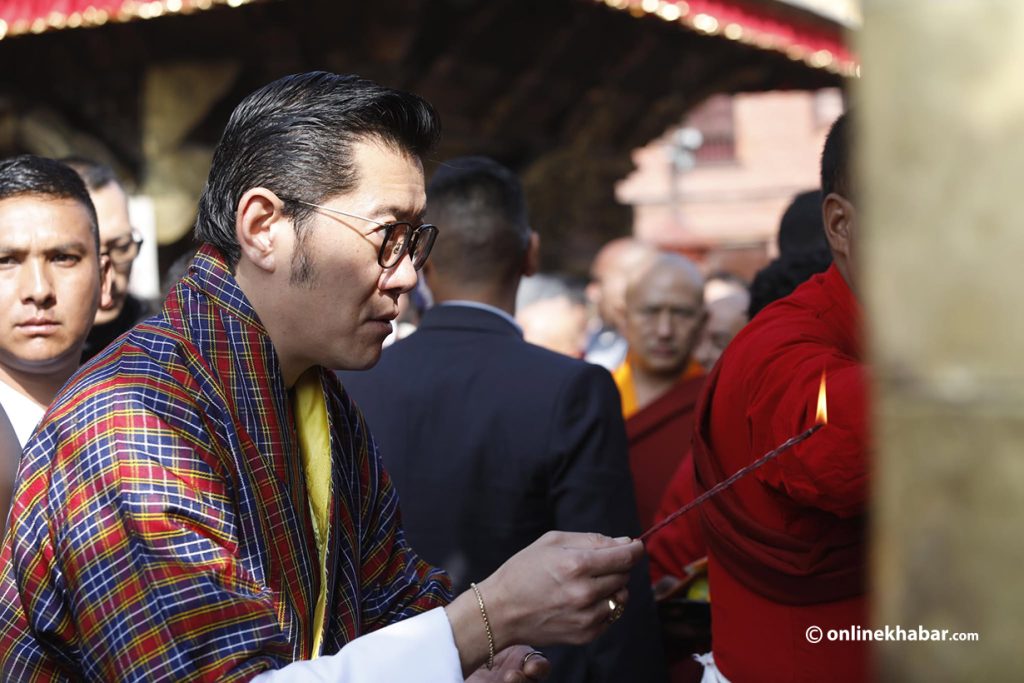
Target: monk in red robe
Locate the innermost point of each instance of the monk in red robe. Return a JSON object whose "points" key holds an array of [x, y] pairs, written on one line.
{"points": [[660, 380], [675, 547], [787, 544]]}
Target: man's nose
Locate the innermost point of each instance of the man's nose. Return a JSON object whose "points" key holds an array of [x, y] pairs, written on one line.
{"points": [[663, 323], [36, 284], [400, 278]]}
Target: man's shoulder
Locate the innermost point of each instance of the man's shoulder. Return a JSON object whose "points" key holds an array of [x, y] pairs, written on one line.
{"points": [[137, 394], [786, 322], [555, 362], [781, 343], [563, 381], [147, 366], [508, 359], [496, 339], [515, 354]]}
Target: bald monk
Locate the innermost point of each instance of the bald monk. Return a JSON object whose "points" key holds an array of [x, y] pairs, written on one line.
{"points": [[786, 544], [609, 273], [659, 381], [671, 550]]}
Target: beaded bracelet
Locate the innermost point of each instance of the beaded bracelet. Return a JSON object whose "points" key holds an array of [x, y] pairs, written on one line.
{"points": [[487, 627]]}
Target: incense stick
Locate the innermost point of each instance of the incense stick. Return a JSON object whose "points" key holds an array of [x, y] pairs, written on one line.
{"points": [[722, 485]]}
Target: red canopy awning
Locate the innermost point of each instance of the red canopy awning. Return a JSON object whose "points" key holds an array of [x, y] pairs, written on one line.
{"points": [[801, 35], [36, 16]]}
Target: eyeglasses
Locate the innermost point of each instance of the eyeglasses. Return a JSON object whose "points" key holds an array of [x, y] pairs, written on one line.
{"points": [[124, 250], [399, 238]]}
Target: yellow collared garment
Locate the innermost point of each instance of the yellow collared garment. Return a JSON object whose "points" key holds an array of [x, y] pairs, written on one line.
{"points": [[623, 377], [315, 444]]}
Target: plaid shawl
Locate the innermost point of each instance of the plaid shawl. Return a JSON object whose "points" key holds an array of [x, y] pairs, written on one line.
{"points": [[161, 529]]}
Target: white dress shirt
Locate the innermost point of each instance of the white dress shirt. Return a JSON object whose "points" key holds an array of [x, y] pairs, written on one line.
{"points": [[22, 411]]}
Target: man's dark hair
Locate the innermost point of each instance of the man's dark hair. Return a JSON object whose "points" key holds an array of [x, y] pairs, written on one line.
{"points": [[28, 174], [95, 174], [834, 159], [783, 275], [295, 136], [480, 209], [802, 226]]}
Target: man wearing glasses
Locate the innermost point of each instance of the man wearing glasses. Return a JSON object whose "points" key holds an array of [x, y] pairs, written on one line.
{"points": [[204, 502], [120, 243]]}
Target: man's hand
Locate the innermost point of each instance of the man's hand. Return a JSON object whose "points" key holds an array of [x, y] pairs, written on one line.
{"points": [[563, 588], [515, 664], [557, 589]]}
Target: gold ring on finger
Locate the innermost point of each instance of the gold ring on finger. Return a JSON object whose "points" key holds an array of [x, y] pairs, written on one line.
{"points": [[615, 610]]}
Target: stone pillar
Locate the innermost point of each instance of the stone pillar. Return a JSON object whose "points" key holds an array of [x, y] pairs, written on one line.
{"points": [[941, 113]]}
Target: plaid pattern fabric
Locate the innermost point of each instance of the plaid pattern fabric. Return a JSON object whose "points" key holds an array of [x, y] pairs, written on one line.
{"points": [[161, 529]]}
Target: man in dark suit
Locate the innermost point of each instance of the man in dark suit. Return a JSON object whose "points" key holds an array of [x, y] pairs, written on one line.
{"points": [[491, 440]]}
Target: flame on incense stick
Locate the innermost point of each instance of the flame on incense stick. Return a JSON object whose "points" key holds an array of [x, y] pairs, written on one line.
{"points": [[821, 417]]}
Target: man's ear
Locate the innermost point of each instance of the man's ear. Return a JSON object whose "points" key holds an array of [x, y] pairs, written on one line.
{"points": [[531, 264], [106, 282], [258, 224], [837, 214]]}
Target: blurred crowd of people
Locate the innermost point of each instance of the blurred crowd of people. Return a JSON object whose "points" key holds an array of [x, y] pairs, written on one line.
{"points": [[205, 435]]}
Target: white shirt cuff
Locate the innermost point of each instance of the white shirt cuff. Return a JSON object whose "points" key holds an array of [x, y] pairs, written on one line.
{"points": [[418, 649]]}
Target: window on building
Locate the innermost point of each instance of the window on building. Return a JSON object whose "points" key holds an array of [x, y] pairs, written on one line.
{"points": [[714, 119]]}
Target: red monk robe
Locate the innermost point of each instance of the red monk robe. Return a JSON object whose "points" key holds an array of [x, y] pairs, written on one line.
{"points": [[673, 547], [659, 434], [786, 544]]}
